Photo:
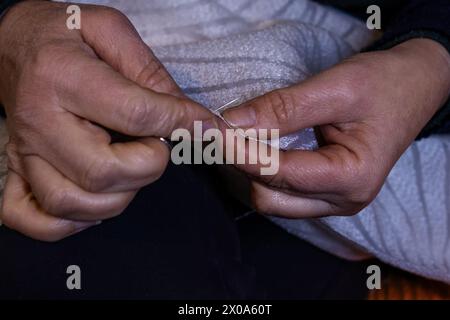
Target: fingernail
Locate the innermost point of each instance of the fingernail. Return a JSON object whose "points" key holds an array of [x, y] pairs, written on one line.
{"points": [[242, 117], [83, 225]]}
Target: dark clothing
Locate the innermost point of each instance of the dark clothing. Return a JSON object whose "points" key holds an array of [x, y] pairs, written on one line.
{"points": [[5, 4], [175, 241], [416, 18]]}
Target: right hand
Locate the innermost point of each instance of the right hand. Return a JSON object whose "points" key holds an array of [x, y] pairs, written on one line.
{"points": [[60, 89]]}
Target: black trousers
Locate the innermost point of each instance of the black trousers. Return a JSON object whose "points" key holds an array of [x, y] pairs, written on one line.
{"points": [[177, 240]]}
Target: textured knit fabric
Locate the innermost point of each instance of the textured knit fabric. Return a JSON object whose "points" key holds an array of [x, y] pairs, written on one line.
{"points": [[219, 50]]}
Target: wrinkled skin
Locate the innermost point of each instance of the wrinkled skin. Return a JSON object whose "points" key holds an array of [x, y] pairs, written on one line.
{"points": [[60, 89], [369, 109]]}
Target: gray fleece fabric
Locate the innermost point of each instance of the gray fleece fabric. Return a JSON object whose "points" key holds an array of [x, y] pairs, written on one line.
{"points": [[220, 50]]}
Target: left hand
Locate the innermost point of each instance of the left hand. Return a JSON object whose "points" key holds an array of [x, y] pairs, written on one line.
{"points": [[61, 89], [369, 109]]}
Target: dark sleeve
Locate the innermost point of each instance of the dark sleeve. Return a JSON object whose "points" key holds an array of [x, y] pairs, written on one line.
{"points": [[5, 4], [422, 19]]}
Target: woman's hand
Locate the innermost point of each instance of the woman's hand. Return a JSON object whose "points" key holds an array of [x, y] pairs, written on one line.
{"points": [[61, 88], [369, 109]]}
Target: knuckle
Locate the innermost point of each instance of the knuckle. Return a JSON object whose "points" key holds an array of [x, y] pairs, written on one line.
{"points": [[169, 119], [110, 19], [43, 62], [98, 175], [185, 112], [354, 86], [137, 115], [152, 74], [282, 106], [110, 15], [348, 92], [55, 201], [362, 185]]}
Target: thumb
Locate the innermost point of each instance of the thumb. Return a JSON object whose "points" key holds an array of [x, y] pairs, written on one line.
{"points": [[116, 41], [314, 102]]}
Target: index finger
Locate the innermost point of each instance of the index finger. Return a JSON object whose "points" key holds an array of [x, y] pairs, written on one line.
{"points": [[121, 105]]}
